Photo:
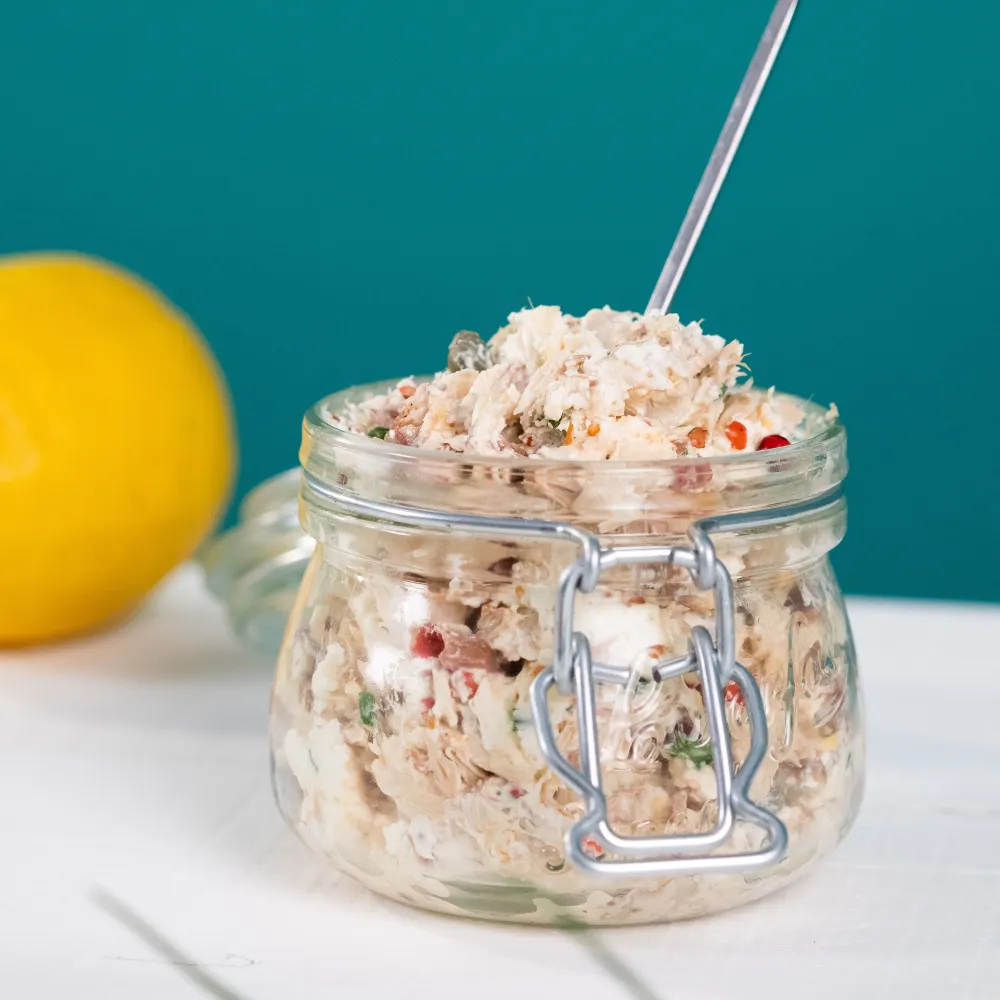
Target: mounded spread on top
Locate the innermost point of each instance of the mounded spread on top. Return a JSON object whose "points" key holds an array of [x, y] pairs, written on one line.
{"points": [[607, 385]]}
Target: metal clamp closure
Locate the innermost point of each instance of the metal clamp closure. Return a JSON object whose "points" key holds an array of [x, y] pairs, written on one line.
{"points": [[574, 671]]}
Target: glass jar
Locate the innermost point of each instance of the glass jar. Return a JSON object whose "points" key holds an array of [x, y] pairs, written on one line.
{"points": [[405, 746]]}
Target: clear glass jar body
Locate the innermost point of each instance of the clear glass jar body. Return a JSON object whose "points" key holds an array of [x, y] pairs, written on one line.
{"points": [[402, 735]]}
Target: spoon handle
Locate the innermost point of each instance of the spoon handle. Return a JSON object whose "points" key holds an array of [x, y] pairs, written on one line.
{"points": [[722, 156]]}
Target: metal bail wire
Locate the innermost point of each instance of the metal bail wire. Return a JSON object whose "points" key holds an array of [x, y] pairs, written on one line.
{"points": [[574, 672], [714, 663]]}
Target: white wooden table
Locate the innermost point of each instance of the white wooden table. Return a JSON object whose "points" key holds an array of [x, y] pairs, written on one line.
{"points": [[136, 817]]}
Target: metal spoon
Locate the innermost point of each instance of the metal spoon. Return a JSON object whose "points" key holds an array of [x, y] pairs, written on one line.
{"points": [[722, 156]]}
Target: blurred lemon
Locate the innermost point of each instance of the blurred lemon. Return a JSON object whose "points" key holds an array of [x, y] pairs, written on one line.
{"points": [[116, 443]]}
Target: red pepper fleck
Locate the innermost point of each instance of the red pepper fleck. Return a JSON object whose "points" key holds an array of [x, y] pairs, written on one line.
{"points": [[737, 434], [591, 847], [698, 436], [733, 693], [454, 646], [427, 642], [773, 441], [406, 391], [516, 793], [464, 685], [426, 704]]}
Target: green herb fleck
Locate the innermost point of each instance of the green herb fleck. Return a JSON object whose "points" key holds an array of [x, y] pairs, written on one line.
{"points": [[556, 423], [366, 708], [378, 432], [512, 720], [723, 389], [699, 754]]}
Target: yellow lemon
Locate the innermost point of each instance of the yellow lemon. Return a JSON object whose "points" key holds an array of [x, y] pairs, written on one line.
{"points": [[116, 443]]}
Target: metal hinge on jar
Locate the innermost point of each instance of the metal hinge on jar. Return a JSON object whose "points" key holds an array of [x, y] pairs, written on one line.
{"points": [[573, 671]]}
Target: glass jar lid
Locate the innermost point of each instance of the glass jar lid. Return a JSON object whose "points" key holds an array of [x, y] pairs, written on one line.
{"points": [[255, 567]]}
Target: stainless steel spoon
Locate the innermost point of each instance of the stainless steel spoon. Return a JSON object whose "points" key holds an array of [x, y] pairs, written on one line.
{"points": [[722, 156]]}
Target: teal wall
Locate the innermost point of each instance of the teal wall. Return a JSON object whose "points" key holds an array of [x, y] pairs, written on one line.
{"points": [[332, 189]]}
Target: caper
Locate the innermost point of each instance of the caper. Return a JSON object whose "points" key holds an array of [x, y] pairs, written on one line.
{"points": [[467, 350]]}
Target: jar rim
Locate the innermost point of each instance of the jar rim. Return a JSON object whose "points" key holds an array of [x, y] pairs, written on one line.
{"points": [[584, 491], [321, 431]]}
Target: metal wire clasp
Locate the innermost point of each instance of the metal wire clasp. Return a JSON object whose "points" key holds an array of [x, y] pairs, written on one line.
{"points": [[574, 671]]}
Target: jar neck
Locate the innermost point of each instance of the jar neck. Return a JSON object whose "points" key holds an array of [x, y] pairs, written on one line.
{"points": [[608, 498]]}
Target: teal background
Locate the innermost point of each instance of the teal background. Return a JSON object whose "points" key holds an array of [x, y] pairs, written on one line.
{"points": [[331, 190]]}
